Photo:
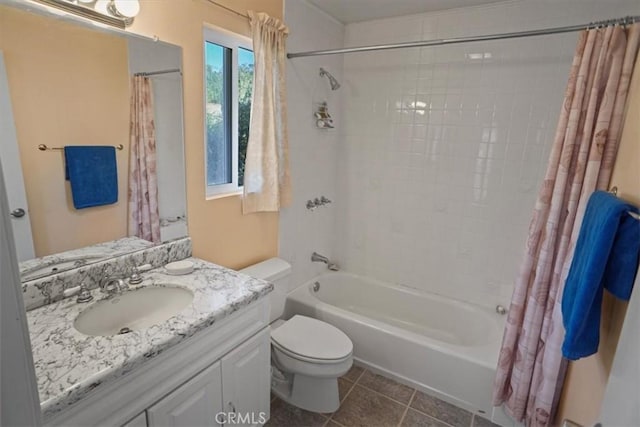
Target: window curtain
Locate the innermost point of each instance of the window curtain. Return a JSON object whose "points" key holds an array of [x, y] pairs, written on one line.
{"points": [[144, 216], [267, 184], [531, 369]]}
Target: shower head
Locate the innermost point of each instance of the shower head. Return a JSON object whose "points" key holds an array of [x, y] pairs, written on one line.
{"points": [[332, 80]]}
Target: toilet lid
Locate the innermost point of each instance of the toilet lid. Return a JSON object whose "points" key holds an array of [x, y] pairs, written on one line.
{"points": [[312, 338]]}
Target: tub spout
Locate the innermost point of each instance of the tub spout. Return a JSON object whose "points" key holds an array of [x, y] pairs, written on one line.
{"points": [[316, 257]]}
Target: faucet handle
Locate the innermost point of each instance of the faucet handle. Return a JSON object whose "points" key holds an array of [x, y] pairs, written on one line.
{"points": [[136, 278], [84, 295]]}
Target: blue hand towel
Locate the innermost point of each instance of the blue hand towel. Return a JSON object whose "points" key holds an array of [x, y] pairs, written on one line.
{"points": [[93, 175], [606, 257]]}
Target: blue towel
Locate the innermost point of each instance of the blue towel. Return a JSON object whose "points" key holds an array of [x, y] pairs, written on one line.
{"points": [[93, 175], [606, 257]]}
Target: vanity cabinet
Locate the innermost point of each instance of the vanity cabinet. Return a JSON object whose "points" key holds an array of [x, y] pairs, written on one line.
{"points": [[195, 403], [234, 390], [139, 421], [220, 376], [246, 378]]}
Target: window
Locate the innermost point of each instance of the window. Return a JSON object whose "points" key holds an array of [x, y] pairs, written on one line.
{"points": [[228, 87]]}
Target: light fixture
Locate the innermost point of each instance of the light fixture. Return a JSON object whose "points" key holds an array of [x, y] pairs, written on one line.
{"points": [[126, 9], [102, 6], [117, 13]]}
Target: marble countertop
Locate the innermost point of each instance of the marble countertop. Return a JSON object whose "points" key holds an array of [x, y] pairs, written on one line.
{"points": [[69, 364]]}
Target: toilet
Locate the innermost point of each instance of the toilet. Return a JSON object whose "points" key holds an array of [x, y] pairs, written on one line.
{"points": [[307, 354]]}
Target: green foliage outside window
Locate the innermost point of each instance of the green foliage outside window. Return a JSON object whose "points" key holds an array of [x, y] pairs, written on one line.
{"points": [[215, 83], [245, 88]]}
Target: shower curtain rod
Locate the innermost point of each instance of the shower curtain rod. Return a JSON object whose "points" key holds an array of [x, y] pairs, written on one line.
{"points": [[154, 73], [438, 42], [228, 9]]}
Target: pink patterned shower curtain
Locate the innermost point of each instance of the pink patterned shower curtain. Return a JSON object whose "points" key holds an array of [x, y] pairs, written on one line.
{"points": [[531, 369], [144, 217]]}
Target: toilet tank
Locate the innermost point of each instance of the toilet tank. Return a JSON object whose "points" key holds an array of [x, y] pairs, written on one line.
{"points": [[276, 271]]}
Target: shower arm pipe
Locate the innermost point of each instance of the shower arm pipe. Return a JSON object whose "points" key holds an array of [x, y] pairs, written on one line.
{"points": [[456, 40]]}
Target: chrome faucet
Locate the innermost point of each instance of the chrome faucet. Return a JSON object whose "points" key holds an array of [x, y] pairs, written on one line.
{"points": [[118, 283], [112, 285], [316, 257]]}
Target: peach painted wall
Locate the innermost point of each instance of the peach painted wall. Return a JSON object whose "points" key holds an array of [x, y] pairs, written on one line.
{"points": [[220, 232], [69, 86], [587, 378]]}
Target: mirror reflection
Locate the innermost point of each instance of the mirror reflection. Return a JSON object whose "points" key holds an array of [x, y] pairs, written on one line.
{"points": [[79, 92]]}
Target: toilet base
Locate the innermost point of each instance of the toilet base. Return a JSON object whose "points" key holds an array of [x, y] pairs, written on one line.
{"points": [[308, 393]]}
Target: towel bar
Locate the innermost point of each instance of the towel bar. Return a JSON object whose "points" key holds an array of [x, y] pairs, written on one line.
{"points": [[43, 147], [614, 190]]}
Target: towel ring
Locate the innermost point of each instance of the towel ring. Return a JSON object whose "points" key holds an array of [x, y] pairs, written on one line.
{"points": [[614, 190], [43, 147]]}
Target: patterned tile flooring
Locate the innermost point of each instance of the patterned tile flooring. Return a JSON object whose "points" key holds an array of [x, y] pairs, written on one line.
{"points": [[371, 400]]}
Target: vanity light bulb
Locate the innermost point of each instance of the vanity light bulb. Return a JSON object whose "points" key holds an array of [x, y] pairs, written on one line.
{"points": [[127, 8], [102, 6]]}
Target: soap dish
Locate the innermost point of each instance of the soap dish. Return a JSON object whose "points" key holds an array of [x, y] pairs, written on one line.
{"points": [[179, 268]]}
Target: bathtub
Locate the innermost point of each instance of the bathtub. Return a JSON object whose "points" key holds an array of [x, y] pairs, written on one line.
{"points": [[436, 344]]}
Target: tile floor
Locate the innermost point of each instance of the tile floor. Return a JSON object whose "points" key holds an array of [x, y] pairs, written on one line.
{"points": [[370, 400]]}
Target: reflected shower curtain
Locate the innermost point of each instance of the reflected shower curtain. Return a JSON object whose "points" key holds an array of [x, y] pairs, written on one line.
{"points": [[267, 184], [530, 368], [144, 217]]}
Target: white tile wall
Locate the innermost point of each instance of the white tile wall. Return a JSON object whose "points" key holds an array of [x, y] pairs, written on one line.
{"points": [[313, 152], [442, 149]]}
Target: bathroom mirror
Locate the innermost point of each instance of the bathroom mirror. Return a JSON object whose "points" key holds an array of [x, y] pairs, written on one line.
{"points": [[66, 81]]}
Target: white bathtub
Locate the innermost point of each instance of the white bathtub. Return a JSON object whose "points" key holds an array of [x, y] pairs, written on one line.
{"points": [[442, 346]]}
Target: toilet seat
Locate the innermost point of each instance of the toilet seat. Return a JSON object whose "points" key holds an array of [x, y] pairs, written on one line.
{"points": [[312, 340], [308, 359]]}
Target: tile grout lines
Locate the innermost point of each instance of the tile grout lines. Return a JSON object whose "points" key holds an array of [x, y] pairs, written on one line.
{"points": [[406, 405], [353, 385], [404, 414]]}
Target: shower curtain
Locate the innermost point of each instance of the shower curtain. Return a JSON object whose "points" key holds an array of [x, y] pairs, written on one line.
{"points": [[267, 184], [531, 369], [144, 217]]}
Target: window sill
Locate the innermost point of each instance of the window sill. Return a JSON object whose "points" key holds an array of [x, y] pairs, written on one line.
{"points": [[235, 193]]}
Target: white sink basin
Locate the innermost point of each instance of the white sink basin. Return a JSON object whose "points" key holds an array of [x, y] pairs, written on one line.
{"points": [[133, 310]]}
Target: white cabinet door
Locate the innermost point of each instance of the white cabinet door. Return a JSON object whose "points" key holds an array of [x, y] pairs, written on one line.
{"points": [[139, 421], [194, 404], [246, 376]]}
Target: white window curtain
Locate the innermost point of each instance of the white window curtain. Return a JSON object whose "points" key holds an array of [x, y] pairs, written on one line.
{"points": [[267, 184]]}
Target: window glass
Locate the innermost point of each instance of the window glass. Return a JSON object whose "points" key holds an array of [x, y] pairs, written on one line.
{"points": [[245, 87], [218, 114]]}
